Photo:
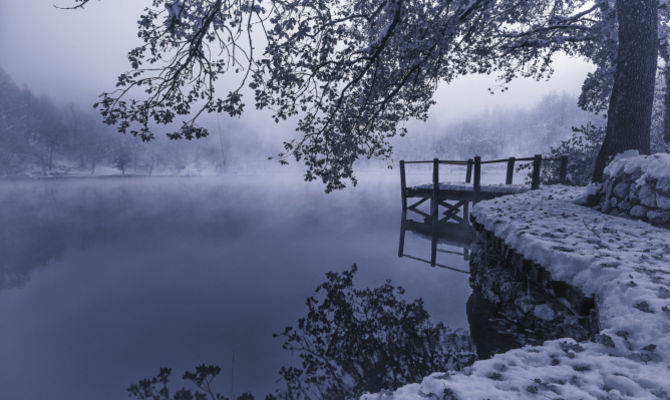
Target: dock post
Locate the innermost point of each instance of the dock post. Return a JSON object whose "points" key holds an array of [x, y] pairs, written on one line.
{"points": [[466, 213], [477, 185], [403, 217], [510, 170], [403, 186], [401, 242], [434, 206], [537, 166], [468, 171], [563, 171]]}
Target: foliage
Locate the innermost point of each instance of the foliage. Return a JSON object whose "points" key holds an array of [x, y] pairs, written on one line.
{"points": [[504, 132], [365, 340], [352, 71], [156, 388], [38, 137], [351, 341], [581, 148]]}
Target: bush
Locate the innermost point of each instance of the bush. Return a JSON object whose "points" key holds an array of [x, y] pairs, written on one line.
{"points": [[581, 148]]}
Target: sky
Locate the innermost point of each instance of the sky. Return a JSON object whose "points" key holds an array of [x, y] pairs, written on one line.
{"points": [[73, 55]]}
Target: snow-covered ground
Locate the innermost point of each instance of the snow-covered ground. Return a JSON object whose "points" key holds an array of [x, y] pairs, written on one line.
{"points": [[624, 263]]}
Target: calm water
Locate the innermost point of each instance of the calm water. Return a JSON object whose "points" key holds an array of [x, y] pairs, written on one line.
{"points": [[102, 281]]}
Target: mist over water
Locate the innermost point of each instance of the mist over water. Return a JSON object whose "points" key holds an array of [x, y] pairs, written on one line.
{"points": [[105, 280]]}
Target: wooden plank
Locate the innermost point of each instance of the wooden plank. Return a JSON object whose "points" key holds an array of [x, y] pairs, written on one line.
{"points": [[418, 203], [421, 213]]}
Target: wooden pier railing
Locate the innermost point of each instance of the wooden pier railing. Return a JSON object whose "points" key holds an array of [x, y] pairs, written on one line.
{"points": [[463, 196]]}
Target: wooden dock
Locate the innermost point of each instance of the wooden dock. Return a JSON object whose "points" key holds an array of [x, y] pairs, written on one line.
{"points": [[449, 202]]}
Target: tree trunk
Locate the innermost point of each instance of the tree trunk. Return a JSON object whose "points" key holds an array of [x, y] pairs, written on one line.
{"points": [[630, 108], [666, 98]]}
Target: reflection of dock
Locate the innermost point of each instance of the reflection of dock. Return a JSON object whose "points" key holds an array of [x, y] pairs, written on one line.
{"points": [[449, 202], [456, 235]]}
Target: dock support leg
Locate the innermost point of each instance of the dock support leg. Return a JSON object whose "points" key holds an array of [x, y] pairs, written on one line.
{"points": [[401, 242], [466, 213], [563, 171], [434, 206], [403, 217], [477, 185], [403, 186]]}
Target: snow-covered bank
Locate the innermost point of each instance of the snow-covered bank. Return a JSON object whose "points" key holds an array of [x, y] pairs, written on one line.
{"points": [[624, 263]]}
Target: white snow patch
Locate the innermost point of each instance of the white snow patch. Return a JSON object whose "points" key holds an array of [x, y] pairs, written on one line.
{"points": [[624, 263], [654, 166], [468, 187]]}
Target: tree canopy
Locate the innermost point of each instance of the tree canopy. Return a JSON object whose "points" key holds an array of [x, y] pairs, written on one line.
{"points": [[352, 72]]}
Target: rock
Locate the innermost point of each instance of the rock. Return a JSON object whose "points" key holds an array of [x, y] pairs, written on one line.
{"points": [[613, 202], [663, 202], [658, 217], [635, 175], [544, 312], [621, 190], [605, 206], [634, 194], [638, 211], [647, 196], [625, 205], [663, 185], [588, 200], [617, 213], [608, 189]]}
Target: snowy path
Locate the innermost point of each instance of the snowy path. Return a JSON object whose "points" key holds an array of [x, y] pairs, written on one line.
{"points": [[625, 264]]}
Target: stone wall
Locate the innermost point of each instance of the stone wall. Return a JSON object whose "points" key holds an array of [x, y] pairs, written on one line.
{"points": [[524, 303], [636, 187]]}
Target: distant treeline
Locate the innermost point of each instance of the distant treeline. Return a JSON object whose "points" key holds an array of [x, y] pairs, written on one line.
{"points": [[503, 132], [40, 138]]}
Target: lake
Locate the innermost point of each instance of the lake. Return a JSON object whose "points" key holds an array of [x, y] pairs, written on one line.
{"points": [[104, 280]]}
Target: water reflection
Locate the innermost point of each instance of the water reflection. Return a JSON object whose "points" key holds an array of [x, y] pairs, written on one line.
{"points": [[104, 281], [454, 238], [488, 335]]}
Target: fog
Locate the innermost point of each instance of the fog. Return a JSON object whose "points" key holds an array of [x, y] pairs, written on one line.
{"points": [[102, 282], [72, 56], [118, 257]]}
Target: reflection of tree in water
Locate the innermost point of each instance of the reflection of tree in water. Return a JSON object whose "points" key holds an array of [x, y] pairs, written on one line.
{"points": [[351, 341]]}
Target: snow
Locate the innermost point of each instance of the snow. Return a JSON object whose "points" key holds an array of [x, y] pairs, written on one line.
{"points": [[624, 263], [559, 369], [655, 166], [466, 187]]}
